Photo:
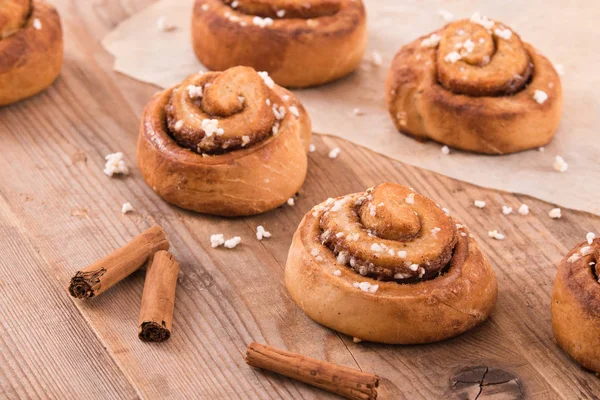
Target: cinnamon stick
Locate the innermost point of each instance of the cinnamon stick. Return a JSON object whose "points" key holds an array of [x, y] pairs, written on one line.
{"points": [[158, 298], [104, 274], [344, 381]]}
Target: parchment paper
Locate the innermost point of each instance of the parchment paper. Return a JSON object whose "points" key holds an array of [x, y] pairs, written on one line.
{"points": [[566, 32]]}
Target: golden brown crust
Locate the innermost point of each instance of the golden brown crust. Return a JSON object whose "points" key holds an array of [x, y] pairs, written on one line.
{"points": [[304, 46], [13, 15], [249, 180], [576, 305], [32, 50], [413, 307], [292, 8], [484, 102]]}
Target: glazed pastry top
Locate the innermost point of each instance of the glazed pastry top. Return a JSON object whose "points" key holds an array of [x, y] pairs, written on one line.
{"points": [[303, 9], [390, 233], [218, 112], [481, 57], [13, 15]]}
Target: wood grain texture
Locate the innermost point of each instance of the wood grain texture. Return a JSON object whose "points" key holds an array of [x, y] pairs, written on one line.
{"points": [[47, 349], [59, 213]]}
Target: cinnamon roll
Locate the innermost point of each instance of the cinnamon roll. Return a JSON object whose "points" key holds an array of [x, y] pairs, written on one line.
{"points": [[474, 85], [225, 143], [300, 43], [576, 304], [388, 265], [31, 48]]}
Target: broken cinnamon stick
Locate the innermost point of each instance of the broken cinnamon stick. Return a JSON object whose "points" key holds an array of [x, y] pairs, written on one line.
{"points": [[104, 274], [158, 298], [343, 381]]}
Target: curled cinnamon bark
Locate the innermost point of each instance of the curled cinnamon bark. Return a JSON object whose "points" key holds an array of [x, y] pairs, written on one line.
{"points": [[158, 298], [107, 272], [343, 381]]}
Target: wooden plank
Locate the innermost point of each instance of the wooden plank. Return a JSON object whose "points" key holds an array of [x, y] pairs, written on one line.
{"points": [[47, 350], [68, 215]]}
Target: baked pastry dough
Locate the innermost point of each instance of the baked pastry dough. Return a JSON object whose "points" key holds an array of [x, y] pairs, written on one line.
{"points": [[31, 48], [299, 42], [225, 143], [388, 265], [474, 85], [576, 304]]}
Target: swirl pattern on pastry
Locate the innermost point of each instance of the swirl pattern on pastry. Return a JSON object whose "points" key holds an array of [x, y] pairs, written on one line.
{"points": [[388, 265], [31, 48], [209, 113], [225, 143], [13, 15], [576, 304], [299, 9], [474, 85], [389, 233], [300, 43]]}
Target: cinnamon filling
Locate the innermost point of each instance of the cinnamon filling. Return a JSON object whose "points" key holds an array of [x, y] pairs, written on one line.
{"points": [[13, 16], [301, 9], [217, 112], [594, 265], [390, 233], [482, 59]]}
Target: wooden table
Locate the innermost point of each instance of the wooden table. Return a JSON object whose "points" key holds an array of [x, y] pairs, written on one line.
{"points": [[59, 212]]}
